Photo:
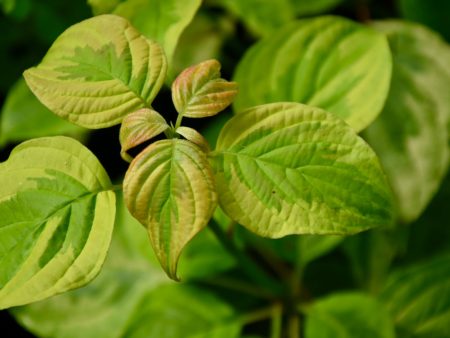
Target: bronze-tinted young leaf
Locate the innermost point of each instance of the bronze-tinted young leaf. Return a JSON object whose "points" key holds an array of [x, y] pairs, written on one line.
{"points": [[98, 71], [195, 137], [139, 127], [199, 91], [169, 188]]}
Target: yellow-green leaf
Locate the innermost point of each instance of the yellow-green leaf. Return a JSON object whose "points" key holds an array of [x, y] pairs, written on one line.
{"points": [[139, 127], [195, 137], [286, 168], [328, 62], [199, 91], [169, 188], [57, 214], [98, 71]]}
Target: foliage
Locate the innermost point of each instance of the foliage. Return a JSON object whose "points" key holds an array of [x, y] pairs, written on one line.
{"points": [[305, 198]]}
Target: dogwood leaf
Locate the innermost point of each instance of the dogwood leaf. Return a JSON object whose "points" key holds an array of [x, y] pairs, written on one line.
{"points": [[169, 188], [57, 219], [286, 168], [327, 62], [98, 71]]}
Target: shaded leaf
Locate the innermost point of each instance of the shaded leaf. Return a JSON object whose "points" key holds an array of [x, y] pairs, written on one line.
{"points": [[200, 92], [310, 7], [348, 315], [139, 127], [98, 71], [57, 214], [24, 117], [311, 247], [419, 298], [169, 188], [161, 20], [411, 134], [286, 168], [327, 62]]}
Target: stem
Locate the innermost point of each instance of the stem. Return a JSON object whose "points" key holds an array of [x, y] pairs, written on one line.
{"points": [[116, 187], [294, 326], [178, 121], [253, 271], [277, 320], [259, 315]]}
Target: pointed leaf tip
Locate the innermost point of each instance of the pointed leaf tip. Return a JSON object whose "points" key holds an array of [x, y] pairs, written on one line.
{"points": [[200, 92], [169, 188]]}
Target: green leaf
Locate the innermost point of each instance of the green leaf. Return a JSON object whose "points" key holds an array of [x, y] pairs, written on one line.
{"points": [[194, 136], [286, 168], [311, 247], [348, 315], [411, 135], [103, 6], [434, 14], [98, 71], [311, 7], [200, 92], [57, 212], [22, 113], [261, 17], [161, 20], [418, 298], [139, 127], [131, 297], [327, 62], [169, 188]]}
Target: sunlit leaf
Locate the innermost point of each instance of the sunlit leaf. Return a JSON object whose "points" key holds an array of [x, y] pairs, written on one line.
{"points": [[199, 91], [419, 298], [169, 188], [132, 297], [98, 71], [286, 168], [411, 134], [327, 62], [348, 315], [139, 127], [57, 214], [161, 20], [24, 117]]}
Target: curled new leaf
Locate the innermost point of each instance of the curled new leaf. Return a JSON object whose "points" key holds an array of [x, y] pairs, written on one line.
{"points": [[194, 136], [286, 168], [199, 91], [57, 214], [139, 127], [169, 188], [98, 71]]}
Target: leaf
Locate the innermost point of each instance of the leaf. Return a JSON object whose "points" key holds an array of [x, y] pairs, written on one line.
{"points": [[161, 20], [311, 7], [57, 212], [22, 113], [348, 315], [327, 62], [103, 6], [200, 92], [131, 297], [169, 188], [98, 71], [311, 247], [139, 127], [418, 298], [261, 17], [286, 168], [194, 136], [434, 14], [411, 135]]}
